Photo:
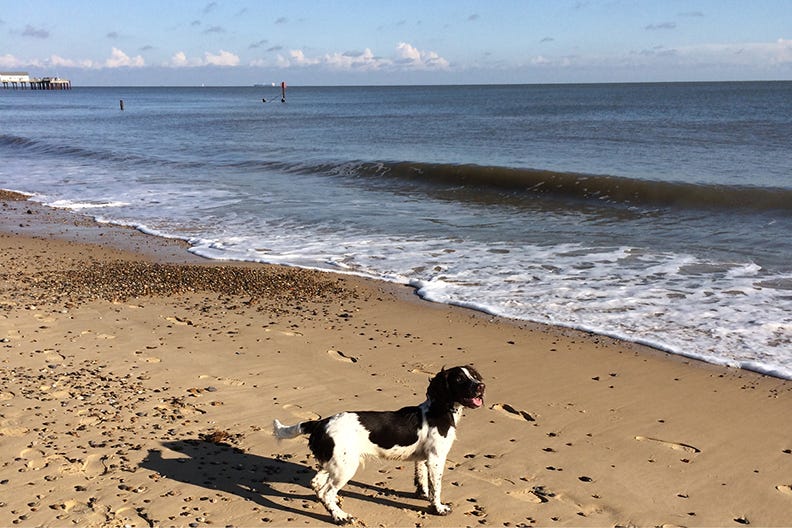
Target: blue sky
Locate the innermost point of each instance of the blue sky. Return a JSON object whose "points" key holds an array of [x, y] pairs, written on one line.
{"points": [[324, 42]]}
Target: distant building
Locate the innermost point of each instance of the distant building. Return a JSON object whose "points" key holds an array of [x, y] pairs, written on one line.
{"points": [[22, 80], [15, 79]]}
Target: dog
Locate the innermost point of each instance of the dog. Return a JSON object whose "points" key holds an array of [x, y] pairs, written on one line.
{"points": [[422, 433]]}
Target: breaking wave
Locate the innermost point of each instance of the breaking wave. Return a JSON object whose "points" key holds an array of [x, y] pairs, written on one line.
{"points": [[468, 181], [588, 187]]}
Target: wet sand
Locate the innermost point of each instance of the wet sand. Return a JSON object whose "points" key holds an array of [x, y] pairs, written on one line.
{"points": [[139, 384]]}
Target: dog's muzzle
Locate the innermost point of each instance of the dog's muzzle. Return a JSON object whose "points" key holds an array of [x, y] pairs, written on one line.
{"points": [[477, 399]]}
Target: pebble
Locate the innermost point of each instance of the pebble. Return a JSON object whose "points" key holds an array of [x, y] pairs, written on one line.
{"points": [[121, 280]]}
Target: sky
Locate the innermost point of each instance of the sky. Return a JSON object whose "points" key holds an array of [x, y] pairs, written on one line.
{"points": [[388, 42]]}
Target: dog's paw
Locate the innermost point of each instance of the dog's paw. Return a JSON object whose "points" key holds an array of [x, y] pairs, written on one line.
{"points": [[344, 521], [440, 509]]}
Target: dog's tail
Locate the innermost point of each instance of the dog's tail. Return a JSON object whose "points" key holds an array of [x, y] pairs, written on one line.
{"points": [[282, 432]]}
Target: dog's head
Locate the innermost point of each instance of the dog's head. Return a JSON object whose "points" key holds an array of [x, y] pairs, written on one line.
{"points": [[462, 385]]}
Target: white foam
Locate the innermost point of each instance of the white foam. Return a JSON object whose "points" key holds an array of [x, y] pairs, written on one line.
{"points": [[82, 206], [721, 316]]}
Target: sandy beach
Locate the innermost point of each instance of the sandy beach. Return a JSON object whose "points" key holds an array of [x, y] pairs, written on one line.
{"points": [[139, 384]]}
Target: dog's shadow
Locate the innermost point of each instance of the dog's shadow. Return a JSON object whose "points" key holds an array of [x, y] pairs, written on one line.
{"points": [[268, 482]]}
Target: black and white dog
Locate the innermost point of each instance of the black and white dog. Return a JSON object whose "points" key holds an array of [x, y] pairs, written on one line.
{"points": [[423, 433]]}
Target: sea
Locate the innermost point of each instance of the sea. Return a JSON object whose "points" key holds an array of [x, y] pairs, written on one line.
{"points": [[656, 213]]}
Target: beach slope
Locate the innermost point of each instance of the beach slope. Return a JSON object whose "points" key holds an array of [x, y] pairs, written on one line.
{"points": [[139, 384]]}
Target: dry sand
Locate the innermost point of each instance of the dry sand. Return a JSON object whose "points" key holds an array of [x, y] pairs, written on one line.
{"points": [[139, 384]]}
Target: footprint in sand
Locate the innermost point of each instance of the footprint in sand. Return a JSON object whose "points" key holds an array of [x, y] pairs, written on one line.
{"points": [[340, 356], [785, 489], [284, 332], [5, 396], [13, 431], [671, 445], [299, 412], [231, 382], [179, 321], [128, 516], [89, 420], [35, 458], [50, 356], [485, 477], [73, 506], [90, 514], [533, 496], [94, 466], [511, 412]]}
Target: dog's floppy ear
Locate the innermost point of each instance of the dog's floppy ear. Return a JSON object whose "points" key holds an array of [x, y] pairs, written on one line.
{"points": [[438, 390]]}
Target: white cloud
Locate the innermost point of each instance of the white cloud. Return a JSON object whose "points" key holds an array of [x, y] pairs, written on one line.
{"points": [[771, 59], [119, 59], [298, 58], [414, 58], [778, 52], [60, 62], [9, 61], [408, 52], [179, 60], [224, 58], [782, 51], [363, 61], [282, 61], [406, 57]]}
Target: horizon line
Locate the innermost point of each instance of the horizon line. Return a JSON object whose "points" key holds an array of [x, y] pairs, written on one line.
{"points": [[560, 83]]}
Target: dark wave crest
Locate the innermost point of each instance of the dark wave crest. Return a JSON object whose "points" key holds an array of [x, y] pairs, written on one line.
{"points": [[46, 148], [469, 181], [587, 187], [43, 147]]}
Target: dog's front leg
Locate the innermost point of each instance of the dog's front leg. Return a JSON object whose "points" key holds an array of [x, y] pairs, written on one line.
{"points": [[421, 479], [435, 465]]}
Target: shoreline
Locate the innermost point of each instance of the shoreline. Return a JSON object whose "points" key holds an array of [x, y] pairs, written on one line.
{"points": [[83, 228], [138, 388]]}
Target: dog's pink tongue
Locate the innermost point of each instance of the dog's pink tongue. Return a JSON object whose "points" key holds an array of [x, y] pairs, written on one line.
{"points": [[477, 402]]}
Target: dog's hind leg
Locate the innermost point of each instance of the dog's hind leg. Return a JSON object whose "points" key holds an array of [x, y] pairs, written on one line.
{"points": [[319, 480], [335, 474], [421, 479]]}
